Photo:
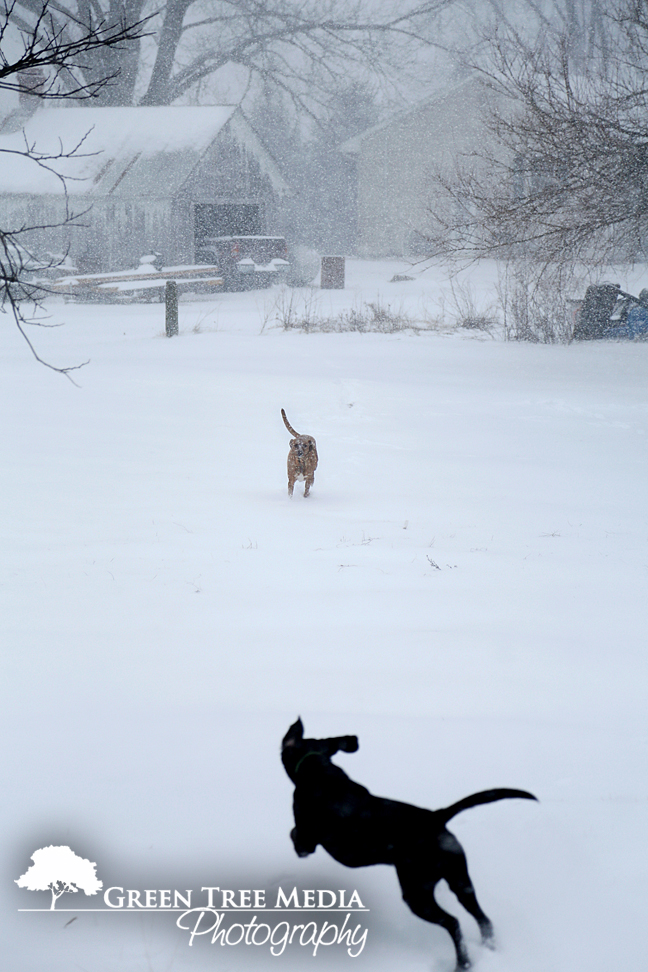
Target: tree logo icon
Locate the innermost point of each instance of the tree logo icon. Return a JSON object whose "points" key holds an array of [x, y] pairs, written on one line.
{"points": [[59, 869]]}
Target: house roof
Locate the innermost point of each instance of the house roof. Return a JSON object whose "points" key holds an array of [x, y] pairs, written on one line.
{"points": [[138, 151], [352, 146]]}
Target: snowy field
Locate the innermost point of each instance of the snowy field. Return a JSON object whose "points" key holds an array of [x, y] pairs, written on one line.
{"points": [[465, 589]]}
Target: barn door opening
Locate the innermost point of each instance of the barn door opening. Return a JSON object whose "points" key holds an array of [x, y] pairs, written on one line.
{"points": [[226, 219]]}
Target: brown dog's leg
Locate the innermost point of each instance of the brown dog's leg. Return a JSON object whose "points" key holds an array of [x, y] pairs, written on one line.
{"points": [[309, 482]]}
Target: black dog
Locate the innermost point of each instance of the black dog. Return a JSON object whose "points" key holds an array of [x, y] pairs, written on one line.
{"points": [[357, 829]]}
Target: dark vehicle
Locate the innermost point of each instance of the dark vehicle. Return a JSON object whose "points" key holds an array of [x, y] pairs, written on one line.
{"points": [[246, 262]]}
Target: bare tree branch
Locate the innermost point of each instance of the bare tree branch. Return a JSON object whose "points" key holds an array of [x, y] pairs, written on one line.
{"points": [[563, 173], [196, 38]]}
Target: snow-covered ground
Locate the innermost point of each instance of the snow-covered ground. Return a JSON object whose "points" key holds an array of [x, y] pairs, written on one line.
{"points": [[465, 589]]}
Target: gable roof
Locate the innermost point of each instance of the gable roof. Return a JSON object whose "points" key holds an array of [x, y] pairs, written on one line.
{"points": [[136, 151], [353, 145]]}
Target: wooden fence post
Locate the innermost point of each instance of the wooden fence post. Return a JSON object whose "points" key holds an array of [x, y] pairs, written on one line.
{"points": [[171, 307]]}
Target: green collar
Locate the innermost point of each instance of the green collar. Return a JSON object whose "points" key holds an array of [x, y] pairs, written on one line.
{"points": [[311, 752]]}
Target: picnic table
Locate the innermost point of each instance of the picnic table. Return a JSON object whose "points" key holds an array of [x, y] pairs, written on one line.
{"points": [[146, 283]]}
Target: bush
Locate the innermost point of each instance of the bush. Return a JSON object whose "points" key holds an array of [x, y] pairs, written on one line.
{"points": [[468, 313], [293, 314], [535, 301]]}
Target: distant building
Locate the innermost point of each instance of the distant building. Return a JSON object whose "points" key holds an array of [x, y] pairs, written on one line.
{"points": [[145, 179], [396, 162]]}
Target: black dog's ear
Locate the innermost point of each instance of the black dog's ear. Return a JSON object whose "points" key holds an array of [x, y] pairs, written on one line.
{"points": [[294, 735], [349, 744]]}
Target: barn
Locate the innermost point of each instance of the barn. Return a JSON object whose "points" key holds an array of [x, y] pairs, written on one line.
{"points": [[107, 185]]}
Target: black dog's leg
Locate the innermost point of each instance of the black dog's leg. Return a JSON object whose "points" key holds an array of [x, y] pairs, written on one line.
{"points": [[466, 896], [303, 844], [418, 894], [455, 872]]}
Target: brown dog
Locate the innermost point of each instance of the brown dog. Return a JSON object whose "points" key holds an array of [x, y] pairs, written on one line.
{"points": [[302, 459]]}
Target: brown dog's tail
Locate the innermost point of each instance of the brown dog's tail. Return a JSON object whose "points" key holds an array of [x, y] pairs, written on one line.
{"points": [[486, 796], [288, 425]]}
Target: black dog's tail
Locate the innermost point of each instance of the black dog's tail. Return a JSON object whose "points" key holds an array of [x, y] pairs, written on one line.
{"points": [[486, 796]]}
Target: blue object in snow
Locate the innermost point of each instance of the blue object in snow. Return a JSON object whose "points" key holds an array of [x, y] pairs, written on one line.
{"points": [[634, 325]]}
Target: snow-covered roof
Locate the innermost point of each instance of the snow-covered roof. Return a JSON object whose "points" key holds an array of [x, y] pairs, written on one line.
{"points": [[135, 151]]}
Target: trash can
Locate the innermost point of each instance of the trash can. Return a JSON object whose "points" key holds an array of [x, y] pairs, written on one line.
{"points": [[332, 275]]}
